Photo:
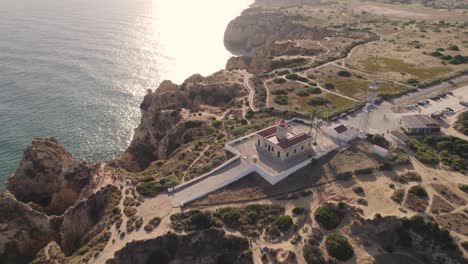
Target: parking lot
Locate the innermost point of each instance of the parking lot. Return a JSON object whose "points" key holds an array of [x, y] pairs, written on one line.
{"points": [[383, 120]]}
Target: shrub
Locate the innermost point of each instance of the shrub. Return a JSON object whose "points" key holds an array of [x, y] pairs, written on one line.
{"points": [[279, 92], [155, 221], [386, 166], [358, 190], [279, 80], [292, 76], [298, 210], [281, 100], [343, 176], [453, 47], [83, 250], [283, 222], [231, 217], [216, 123], [344, 74], [317, 101], [378, 140], [330, 86], [419, 191], [315, 90], [363, 171], [436, 54], [338, 246], [200, 220], [302, 93], [459, 59], [153, 188], [398, 195], [327, 217], [463, 187], [412, 81]]}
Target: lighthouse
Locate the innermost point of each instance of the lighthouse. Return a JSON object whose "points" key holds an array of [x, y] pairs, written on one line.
{"points": [[282, 130]]}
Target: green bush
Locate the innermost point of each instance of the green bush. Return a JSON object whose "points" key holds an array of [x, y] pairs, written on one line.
{"points": [[463, 187], [358, 190], [338, 246], [363, 171], [216, 123], [418, 190], [386, 166], [231, 217], [318, 101], [200, 220], [279, 92], [298, 211], [283, 222], [436, 54], [279, 80], [153, 188], [83, 250], [302, 93], [412, 81], [344, 74], [398, 195], [292, 76], [330, 86], [378, 140], [453, 47], [459, 59], [327, 217], [281, 100], [343, 176], [314, 90]]}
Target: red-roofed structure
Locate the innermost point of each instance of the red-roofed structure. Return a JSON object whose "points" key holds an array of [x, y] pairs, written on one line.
{"points": [[281, 142]]}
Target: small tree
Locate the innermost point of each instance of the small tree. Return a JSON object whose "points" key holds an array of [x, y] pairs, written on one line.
{"points": [[338, 246]]}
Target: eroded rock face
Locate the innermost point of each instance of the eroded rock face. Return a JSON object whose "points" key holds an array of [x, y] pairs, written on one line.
{"points": [[23, 231], [49, 177], [163, 128], [210, 246], [88, 218], [50, 254]]}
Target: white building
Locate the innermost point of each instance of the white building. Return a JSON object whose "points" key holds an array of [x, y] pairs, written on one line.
{"points": [[281, 142], [342, 133]]}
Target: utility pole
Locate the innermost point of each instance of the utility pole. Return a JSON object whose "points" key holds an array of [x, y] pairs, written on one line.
{"points": [[312, 116], [316, 132]]}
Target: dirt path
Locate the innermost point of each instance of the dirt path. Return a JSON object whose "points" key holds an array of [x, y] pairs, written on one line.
{"points": [[195, 161], [251, 92]]}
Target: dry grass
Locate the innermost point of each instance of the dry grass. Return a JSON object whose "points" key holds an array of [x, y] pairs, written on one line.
{"points": [[439, 205]]}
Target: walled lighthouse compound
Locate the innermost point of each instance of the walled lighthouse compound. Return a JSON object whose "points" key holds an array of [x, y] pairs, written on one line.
{"points": [[274, 153]]}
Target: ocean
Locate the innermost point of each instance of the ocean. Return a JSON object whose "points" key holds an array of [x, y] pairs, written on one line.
{"points": [[77, 70]]}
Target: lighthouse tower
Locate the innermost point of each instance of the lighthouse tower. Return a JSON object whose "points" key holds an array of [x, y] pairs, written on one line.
{"points": [[282, 130]]}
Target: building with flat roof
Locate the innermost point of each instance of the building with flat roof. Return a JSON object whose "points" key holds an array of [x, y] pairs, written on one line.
{"points": [[419, 124], [342, 133], [280, 141]]}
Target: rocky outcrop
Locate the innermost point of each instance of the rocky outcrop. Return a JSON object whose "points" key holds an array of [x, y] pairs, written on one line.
{"points": [[284, 3], [23, 231], [89, 218], [163, 128], [210, 246], [49, 177], [50, 254]]}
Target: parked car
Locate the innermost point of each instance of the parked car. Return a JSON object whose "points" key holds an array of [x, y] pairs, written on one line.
{"points": [[450, 93], [443, 95], [435, 98], [449, 109], [465, 103], [421, 103]]}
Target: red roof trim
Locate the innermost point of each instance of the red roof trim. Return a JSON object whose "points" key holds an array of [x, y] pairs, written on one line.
{"points": [[287, 143], [267, 132]]}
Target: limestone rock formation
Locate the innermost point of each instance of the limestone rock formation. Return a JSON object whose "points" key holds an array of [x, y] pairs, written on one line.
{"points": [[23, 231], [88, 219], [50, 254], [163, 128], [49, 177], [209, 246]]}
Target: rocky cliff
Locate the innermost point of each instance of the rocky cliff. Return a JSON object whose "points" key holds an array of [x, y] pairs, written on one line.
{"points": [[210, 246], [89, 219], [23, 230], [48, 177], [163, 126]]}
